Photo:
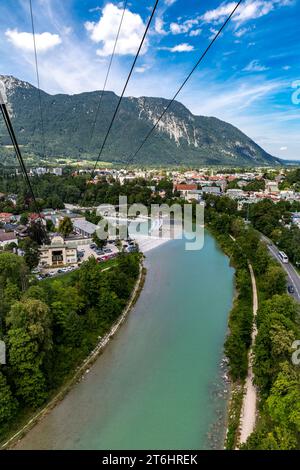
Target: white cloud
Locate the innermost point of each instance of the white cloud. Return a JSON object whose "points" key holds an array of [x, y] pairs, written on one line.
{"points": [[195, 32], [218, 13], [248, 10], [255, 66], [159, 26], [185, 27], [177, 28], [142, 68], [286, 67], [170, 2], [213, 32], [283, 149], [105, 30], [24, 41], [240, 32], [184, 47]]}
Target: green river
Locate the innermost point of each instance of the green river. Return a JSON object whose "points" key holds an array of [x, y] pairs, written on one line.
{"points": [[158, 384]]}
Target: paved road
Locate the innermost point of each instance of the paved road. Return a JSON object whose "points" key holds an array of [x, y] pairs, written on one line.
{"points": [[293, 276]]}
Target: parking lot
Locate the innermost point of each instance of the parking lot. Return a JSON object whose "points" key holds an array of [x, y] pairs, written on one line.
{"points": [[84, 252]]}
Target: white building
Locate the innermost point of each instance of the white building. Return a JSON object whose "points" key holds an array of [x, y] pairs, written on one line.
{"points": [[235, 193], [57, 171], [58, 253]]}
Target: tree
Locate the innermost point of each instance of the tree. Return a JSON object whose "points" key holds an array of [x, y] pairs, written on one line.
{"points": [[37, 232], [65, 226], [25, 362], [261, 259], [37, 293], [274, 280], [13, 268], [92, 217], [273, 345], [50, 225], [31, 252], [283, 403], [237, 226], [8, 404], [32, 316], [24, 219], [98, 241]]}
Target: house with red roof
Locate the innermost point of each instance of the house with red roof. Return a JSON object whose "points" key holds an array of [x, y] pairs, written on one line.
{"points": [[5, 217]]}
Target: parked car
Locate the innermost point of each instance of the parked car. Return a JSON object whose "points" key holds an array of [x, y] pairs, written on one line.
{"points": [[291, 289]]}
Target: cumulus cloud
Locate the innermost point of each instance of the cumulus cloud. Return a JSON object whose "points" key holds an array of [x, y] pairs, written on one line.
{"points": [[240, 32], [185, 27], [255, 66], [24, 41], [195, 32], [251, 9], [177, 28], [183, 47], [219, 13], [104, 31], [159, 26]]}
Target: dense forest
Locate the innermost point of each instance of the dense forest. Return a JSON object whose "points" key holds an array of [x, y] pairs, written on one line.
{"points": [[51, 326], [278, 380]]}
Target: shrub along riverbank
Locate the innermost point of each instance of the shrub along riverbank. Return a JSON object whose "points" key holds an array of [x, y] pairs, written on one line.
{"points": [[277, 379], [50, 328]]}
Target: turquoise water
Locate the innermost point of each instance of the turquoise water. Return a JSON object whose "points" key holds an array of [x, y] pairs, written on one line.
{"points": [[153, 387]]}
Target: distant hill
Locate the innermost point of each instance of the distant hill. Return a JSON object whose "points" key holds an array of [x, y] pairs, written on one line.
{"points": [[181, 136]]}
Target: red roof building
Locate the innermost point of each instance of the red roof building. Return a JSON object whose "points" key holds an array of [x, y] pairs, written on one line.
{"points": [[186, 187], [5, 217]]}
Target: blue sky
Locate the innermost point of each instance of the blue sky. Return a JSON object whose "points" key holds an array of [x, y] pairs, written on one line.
{"points": [[248, 78]]}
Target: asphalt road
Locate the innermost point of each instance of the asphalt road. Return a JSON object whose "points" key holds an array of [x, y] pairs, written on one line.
{"points": [[293, 276]]}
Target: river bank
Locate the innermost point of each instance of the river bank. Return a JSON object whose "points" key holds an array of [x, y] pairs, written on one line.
{"points": [[83, 368]]}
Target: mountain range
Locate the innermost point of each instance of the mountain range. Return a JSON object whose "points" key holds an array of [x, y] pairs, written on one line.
{"points": [[180, 138]]}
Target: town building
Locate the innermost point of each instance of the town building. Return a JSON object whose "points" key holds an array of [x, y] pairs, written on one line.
{"points": [[5, 217], [216, 190], [84, 228], [7, 237], [195, 195], [272, 187], [58, 253], [185, 189], [57, 171], [235, 193]]}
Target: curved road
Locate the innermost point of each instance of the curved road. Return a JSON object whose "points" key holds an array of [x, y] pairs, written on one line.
{"points": [[293, 276]]}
